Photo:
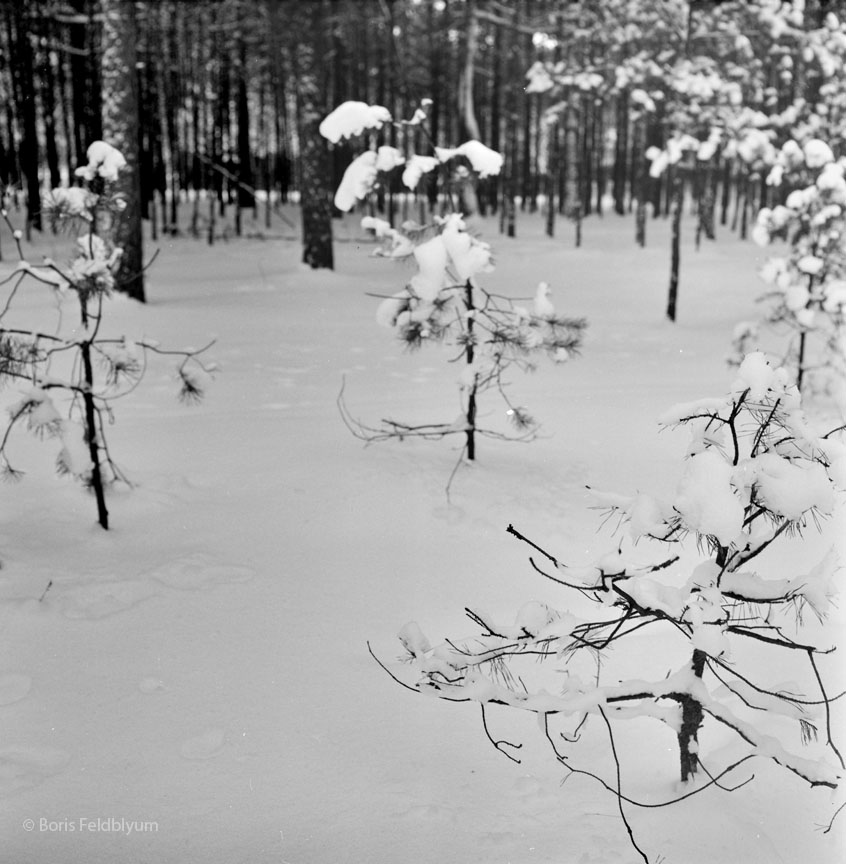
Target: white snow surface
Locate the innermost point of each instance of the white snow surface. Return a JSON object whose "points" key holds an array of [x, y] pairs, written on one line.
{"points": [[203, 667]]}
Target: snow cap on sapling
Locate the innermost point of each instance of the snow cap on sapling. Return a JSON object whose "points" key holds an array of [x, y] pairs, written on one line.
{"points": [[388, 158], [353, 118], [379, 227], [103, 161], [542, 305], [484, 161], [758, 376], [469, 256], [706, 499], [792, 488], [817, 153], [390, 309], [432, 258], [414, 640], [358, 180], [416, 167]]}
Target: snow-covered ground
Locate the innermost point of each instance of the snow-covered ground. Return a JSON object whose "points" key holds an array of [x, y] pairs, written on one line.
{"points": [[203, 667]]}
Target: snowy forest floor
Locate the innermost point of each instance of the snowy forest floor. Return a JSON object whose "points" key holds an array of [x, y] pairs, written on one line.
{"points": [[204, 664]]}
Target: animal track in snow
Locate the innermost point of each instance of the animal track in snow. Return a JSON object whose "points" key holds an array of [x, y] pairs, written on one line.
{"points": [[204, 746], [101, 599], [14, 687], [197, 571], [151, 685], [25, 767]]}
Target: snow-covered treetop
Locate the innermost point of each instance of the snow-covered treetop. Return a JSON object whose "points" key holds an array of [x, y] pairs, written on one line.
{"points": [[754, 464], [362, 175]]}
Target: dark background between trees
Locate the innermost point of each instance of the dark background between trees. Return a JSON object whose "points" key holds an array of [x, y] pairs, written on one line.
{"points": [[229, 93]]}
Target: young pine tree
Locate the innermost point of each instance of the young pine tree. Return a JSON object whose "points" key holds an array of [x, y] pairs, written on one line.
{"points": [[711, 584], [68, 373], [444, 300]]}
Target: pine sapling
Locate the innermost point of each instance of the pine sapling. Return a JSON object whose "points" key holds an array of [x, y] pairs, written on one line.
{"points": [[444, 301], [755, 478], [72, 373]]}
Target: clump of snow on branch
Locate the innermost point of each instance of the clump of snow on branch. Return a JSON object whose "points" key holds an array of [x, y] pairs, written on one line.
{"points": [[353, 118], [484, 161], [104, 161]]}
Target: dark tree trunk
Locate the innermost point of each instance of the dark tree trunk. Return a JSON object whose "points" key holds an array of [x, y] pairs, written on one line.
{"points": [[588, 125], [573, 162], [621, 148], [120, 129], [245, 170], [551, 177], [22, 64], [512, 112], [315, 195], [48, 104], [640, 180], [85, 79]]}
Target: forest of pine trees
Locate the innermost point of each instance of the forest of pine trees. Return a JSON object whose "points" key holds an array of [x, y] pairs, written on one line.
{"points": [[226, 94]]}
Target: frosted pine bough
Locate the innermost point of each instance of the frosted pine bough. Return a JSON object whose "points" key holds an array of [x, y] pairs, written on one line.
{"points": [[443, 301], [69, 377], [756, 474]]}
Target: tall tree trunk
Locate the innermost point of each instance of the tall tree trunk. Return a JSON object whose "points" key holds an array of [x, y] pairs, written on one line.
{"points": [[551, 173], [245, 170], [640, 180], [22, 62], [573, 162], [465, 88], [512, 112], [120, 128], [48, 105], [621, 147], [86, 85], [315, 195]]}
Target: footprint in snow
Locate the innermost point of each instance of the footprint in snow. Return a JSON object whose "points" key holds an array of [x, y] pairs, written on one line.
{"points": [[25, 767], [197, 571], [204, 746], [151, 685], [14, 687], [101, 599]]}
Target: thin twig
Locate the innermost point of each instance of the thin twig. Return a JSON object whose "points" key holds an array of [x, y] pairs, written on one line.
{"points": [[827, 708], [619, 788], [499, 745]]}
